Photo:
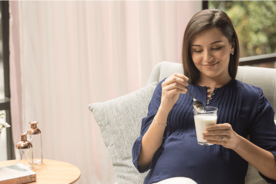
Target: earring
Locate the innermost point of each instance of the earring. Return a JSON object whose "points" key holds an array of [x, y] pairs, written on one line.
{"points": [[232, 53]]}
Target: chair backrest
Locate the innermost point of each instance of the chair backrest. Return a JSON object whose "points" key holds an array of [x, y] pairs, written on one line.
{"points": [[264, 78]]}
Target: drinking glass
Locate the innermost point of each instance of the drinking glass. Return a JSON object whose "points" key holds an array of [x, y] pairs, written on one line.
{"points": [[203, 117]]}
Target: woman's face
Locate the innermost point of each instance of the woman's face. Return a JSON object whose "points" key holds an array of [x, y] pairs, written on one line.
{"points": [[210, 51]]}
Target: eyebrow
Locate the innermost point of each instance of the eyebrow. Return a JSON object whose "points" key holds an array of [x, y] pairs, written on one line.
{"points": [[210, 44]]}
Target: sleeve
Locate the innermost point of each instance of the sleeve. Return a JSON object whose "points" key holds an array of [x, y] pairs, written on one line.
{"points": [[263, 129], [146, 121]]}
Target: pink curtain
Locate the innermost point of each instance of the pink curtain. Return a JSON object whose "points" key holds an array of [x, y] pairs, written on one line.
{"points": [[15, 73], [67, 54]]}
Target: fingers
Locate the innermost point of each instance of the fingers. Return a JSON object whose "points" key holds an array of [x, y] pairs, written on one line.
{"points": [[185, 78], [220, 142], [175, 81], [172, 86], [173, 92], [217, 132], [215, 137], [224, 126], [176, 78], [221, 134]]}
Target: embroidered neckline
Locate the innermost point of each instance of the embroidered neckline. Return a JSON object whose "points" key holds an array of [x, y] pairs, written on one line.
{"points": [[211, 93]]}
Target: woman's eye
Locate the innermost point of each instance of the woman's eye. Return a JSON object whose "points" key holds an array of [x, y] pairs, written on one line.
{"points": [[198, 51], [218, 48]]}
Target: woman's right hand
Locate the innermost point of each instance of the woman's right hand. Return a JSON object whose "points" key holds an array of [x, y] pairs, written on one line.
{"points": [[171, 89]]}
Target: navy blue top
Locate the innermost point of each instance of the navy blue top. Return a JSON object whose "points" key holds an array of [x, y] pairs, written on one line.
{"points": [[242, 105]]}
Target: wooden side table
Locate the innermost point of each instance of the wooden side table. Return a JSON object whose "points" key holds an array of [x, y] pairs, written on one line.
{"points": [[52, 172]]}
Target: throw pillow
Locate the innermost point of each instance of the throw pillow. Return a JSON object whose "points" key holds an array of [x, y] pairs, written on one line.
{"points": [[119, 121]]}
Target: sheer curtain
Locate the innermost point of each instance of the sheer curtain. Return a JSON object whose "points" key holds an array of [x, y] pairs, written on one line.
{"points": [[67, 54]]}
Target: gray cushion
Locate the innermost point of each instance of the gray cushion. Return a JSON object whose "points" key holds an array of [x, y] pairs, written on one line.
{"points": [[264, 78], [120, 123]]}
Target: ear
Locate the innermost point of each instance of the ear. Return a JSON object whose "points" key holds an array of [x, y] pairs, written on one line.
{"points": [[232, 47]]}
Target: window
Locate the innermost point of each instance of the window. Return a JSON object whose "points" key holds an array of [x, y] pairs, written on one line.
{"points": [[4, 78], [3, 142], [255, 24]]}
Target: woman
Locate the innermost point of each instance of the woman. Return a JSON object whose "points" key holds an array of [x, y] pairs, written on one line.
{"points": [[168, 145]]}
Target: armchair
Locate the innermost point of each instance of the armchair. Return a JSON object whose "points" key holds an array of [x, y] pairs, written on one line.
{"points": [[120, 119]]}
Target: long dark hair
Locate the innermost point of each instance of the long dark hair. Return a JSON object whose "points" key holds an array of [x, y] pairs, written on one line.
{"points": [[203, 20]]}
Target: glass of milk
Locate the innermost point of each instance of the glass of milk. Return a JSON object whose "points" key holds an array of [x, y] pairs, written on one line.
{"points": [[203, 117]]}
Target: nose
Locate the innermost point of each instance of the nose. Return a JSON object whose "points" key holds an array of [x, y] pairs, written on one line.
{"points": [[208, 57]]}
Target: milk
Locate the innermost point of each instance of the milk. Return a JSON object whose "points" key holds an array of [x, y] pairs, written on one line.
{"points": [[201, 122]]}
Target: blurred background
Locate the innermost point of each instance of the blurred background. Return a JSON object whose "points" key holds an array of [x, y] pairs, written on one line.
{"points": [[255, 24]]}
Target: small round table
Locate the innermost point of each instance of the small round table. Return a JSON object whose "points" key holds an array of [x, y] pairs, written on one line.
{"points": [[52, 171]]}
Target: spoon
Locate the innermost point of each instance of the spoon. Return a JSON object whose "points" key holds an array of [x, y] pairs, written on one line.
{"points": [[196, 103]]}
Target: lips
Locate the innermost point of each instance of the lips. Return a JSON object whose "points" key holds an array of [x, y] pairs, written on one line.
{"points": [[211, 65]]}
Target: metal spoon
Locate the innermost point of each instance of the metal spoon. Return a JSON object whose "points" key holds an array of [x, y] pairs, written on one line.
{"points": [[196, 103]]}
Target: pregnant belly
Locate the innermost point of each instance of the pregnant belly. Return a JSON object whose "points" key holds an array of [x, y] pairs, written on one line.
{"points": [[182, 156]]}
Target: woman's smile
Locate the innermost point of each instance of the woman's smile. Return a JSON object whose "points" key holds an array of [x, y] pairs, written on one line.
{"points": [[211, 65]]}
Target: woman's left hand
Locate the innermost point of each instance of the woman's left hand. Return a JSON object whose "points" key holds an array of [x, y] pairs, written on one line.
{"points": [[221, 134]]}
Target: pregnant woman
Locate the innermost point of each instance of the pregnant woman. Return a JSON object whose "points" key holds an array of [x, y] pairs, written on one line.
{"points": [[168, 145]]}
